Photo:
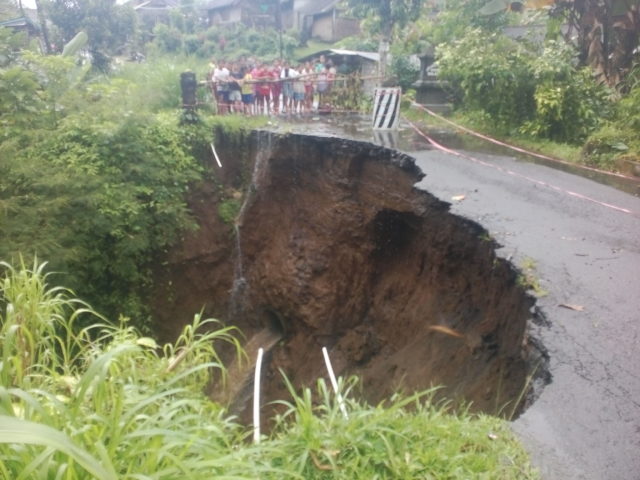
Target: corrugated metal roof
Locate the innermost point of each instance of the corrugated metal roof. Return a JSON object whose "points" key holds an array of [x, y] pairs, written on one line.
{"points": [[17, 22]]}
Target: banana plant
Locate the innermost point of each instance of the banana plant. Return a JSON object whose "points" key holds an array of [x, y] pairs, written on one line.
{"points": [[607, 32]]}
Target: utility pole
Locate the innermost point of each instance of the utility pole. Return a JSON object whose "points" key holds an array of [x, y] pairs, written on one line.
{"points": [[279, 26]]}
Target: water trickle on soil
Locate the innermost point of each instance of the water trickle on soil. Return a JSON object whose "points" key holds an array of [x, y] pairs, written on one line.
{"points": [[335, 247]]}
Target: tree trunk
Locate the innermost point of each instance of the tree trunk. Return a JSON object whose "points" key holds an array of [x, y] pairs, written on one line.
{"points": [[383, 51], [43, 27], [386, 32]]}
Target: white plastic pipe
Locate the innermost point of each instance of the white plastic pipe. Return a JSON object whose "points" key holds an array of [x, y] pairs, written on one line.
{"points": [[334, 383], [256, 398], [215, 154]]}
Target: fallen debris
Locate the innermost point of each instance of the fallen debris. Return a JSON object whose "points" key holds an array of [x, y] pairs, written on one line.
{"points": [[577, 308]]}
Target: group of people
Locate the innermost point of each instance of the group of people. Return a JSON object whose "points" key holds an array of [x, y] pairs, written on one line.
{"points": [[256, 88]]}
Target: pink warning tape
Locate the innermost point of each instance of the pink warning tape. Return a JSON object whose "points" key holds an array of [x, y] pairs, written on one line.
{"points": [[519, 175], [518, 149]]}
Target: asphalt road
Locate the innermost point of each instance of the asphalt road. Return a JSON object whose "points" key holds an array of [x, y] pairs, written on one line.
{"points": [[585, 250]]}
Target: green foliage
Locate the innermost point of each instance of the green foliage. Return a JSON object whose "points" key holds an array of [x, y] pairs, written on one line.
{"points": [[457, 17], [404, 437], [541, 94], [114, 195], [618, 138], [229, 209], [384, 15], [569, 102], [490, 73], [20, 100], [404, 70], [109, 26], [125, 407], [94, 186], [121, 407], [231, 42], [168, 39], [11, 43]]}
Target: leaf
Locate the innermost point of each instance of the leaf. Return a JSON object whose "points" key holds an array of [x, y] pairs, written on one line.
{"points": [[18, 431], [75, 44], [147, 342]]}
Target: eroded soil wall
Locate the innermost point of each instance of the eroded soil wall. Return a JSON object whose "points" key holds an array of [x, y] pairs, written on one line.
{"points": [[335, 247]]}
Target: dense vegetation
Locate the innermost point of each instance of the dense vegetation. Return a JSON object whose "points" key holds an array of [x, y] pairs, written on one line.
{"points": [[541, 88], [95, 172], [106, 401]]}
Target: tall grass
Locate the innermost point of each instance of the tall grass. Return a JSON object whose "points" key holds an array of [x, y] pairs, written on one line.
{"points": [[105, 402]]}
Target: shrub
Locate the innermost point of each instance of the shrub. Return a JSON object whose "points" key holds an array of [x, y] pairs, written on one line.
{"points": [[100, 198], [405, 71], [168, 39], [490, 73], [570, 104]]}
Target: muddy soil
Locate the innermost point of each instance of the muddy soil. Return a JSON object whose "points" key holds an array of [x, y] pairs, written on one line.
{"points": [[335, 247]]}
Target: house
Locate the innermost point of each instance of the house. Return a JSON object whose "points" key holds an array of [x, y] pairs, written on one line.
{"points": [[152, 12], [319, 19], [22, 24], [261, 13], [323, 20]]}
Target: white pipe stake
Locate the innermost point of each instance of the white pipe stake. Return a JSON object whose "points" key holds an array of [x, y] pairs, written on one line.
{"points": [[332, 377], [215, 154], [256, 398]]}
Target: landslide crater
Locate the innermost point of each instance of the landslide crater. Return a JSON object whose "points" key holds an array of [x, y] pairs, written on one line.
{"points": [[335, 247]]}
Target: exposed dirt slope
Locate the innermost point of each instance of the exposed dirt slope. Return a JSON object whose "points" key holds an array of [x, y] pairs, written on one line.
{"points": [[337, 248]]}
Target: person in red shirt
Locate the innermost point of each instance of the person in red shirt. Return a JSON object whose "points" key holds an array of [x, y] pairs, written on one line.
{"points": [[263, 91], [276, 87]]}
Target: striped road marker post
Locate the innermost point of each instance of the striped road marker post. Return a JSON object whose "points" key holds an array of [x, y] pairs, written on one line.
{"points": [[386, 108]]}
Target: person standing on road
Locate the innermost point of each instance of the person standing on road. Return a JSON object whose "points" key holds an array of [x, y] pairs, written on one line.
{"points": [[287, 73], [221, 79], [235, 95]]}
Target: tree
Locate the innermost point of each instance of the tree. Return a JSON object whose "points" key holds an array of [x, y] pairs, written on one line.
{"points": [[42, 20], [607, 31], [384, 17], [109, 26]]}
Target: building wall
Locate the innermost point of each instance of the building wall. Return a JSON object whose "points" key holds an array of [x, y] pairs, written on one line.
{"points": [[322, 28], [330, 29], [225, 16]]}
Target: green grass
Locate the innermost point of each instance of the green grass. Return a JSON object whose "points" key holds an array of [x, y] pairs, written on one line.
{"points": [[105, 402], [561, 151], [528, 277]]}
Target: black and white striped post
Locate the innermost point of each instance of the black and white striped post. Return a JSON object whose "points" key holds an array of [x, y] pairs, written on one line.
{"points": [[386, 108]]}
